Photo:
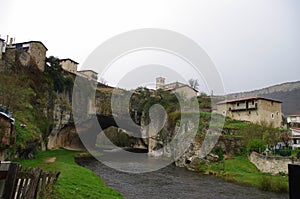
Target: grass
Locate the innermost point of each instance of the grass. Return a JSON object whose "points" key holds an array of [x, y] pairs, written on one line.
{"points": [[74, 181], [241, 170]]}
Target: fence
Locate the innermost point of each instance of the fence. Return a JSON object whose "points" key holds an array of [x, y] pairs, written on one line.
{"points": [[17, 182]]}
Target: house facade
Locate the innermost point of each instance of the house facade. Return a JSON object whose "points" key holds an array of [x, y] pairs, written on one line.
{"points": [[89, 74], [25, 51], [69, 65], [176, 87], [252, 109], [7, 132]]}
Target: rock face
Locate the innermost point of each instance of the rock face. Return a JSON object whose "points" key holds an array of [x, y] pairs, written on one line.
{"points": [[272, 165], [191, 159], [66, 137]]}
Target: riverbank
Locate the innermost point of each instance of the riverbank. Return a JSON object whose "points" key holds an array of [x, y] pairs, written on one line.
{"points": [[74, 181], [172, 182], [239, 169]]}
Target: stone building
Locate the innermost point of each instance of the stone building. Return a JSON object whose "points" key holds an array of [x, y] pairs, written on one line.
{"points": [[7, 132], [69, 65], [25, 51], [90, 74], [176, 87], [252, 109]]}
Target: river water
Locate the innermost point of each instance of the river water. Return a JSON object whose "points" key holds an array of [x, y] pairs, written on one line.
{"points": [[172, 182]]}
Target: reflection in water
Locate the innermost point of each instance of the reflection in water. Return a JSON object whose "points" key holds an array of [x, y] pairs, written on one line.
{"points": [[172, 182]]}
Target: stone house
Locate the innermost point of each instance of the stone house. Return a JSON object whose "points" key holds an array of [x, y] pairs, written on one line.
{"points": [[90, 74], [252, 109], [6, 128], [26, 51], [69, 65], [7, 132], [176, 87]]}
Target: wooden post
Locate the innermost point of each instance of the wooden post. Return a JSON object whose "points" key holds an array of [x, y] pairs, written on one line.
{"points": [[10, 178]]}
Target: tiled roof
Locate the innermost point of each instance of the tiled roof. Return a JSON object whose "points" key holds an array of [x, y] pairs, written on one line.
{"points": [[294, 114], [71, 60], [246, 99], [28, 42]]}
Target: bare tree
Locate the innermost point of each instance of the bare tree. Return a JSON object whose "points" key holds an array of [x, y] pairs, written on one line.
{"points": [[102, 81], [194, 83]]}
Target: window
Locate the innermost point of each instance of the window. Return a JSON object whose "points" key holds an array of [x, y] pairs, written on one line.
{"points": [[237, 104], [252, 102], [277, 113], [272, 115]]}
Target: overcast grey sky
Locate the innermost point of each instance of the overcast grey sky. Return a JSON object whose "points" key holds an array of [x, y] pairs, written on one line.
{"points": [[253, 43]]}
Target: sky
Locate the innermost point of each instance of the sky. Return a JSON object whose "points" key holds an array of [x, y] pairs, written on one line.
{"points": [[252, 43]]}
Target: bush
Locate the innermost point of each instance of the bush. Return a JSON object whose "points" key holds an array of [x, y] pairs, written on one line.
{"points": [[256, 145], [285, 152], [219, 152], [298, 154]]}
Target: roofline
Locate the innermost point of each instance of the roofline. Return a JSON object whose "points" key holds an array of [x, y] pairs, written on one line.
{"points": [[293, 114], [295, 128], [7, 116], [27, 42], [184, 85], [69, 60], [247, 98], [87, 71]]}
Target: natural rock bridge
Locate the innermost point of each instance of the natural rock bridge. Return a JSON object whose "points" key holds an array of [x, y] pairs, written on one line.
{"points": [[90, 129]]}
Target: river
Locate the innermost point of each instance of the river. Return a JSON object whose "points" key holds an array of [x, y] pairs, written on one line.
{"points": [[172, 182]]}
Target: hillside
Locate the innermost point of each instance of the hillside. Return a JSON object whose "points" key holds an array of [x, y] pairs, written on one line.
{"points": [[288, 93]]}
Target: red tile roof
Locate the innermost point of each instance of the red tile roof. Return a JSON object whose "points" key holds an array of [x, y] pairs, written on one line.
{"points": [[294, 114]]}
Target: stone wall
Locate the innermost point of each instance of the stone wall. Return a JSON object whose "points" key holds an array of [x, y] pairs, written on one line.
{"points": [[38, 52], [271, 164]]}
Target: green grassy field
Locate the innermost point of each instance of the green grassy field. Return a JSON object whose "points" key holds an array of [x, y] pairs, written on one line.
{"points": [[74, 180], [240, 169]]}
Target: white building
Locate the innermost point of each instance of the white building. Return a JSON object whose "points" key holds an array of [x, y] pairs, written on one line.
{"points": [[295, 138], [293, 119]]}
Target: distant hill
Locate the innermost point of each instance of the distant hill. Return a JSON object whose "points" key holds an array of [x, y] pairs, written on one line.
{"points": [[288, 93]]}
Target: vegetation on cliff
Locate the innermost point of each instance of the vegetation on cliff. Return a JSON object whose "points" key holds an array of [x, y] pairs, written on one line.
{"points": [[31, 94]]}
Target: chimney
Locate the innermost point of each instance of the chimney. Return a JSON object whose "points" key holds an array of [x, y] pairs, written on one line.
{"points": [[10, 42]]}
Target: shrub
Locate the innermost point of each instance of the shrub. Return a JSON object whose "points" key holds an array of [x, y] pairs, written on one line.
{"points": [[219, 152], [285, 152], [256, 145]]}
